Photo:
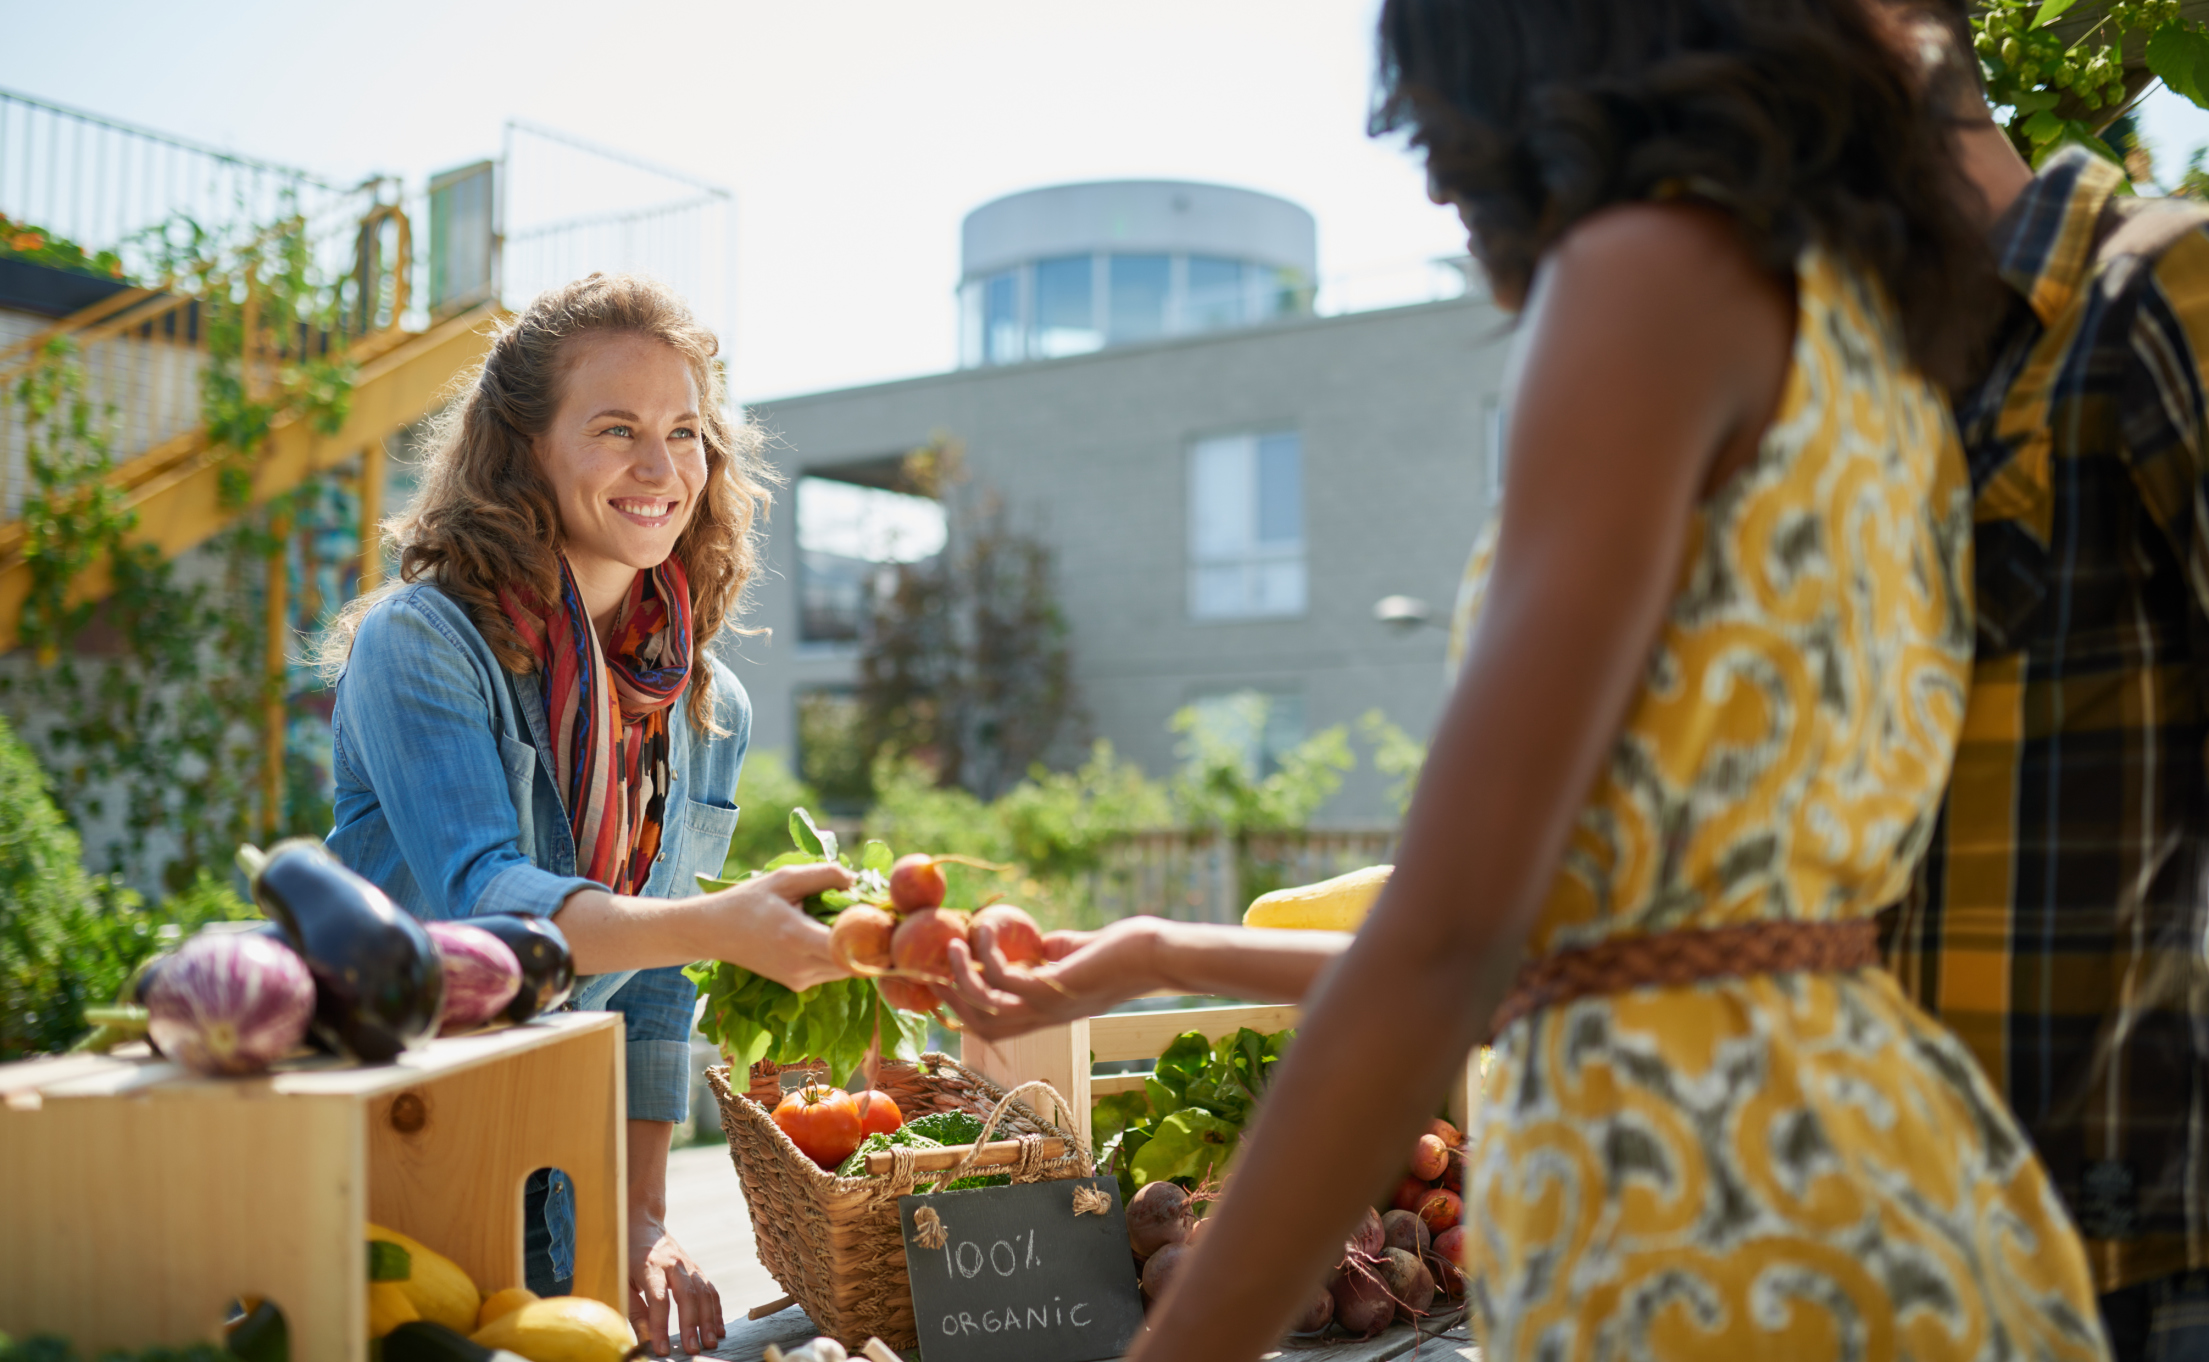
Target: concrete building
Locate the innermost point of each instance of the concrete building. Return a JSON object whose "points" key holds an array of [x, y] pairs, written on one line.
{"points": [[1227, 499]]}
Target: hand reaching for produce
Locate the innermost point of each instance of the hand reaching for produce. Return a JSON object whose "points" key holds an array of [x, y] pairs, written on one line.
{"points": [[1079, 975], [761, 924], [1084, 973]]}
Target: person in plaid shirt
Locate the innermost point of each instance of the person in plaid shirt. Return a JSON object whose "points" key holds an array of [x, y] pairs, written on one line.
{"points": [[2057, 923]]}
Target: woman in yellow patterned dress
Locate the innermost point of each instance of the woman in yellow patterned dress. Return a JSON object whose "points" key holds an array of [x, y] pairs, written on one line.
{"points": [[1712, 679]]}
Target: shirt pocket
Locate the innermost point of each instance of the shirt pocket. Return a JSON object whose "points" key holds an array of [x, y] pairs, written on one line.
{"points": [[707, 829], [520, 761]]}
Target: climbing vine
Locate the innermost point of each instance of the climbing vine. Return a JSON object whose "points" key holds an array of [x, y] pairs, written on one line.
{"points": [[2060, 68], [147, 705]]}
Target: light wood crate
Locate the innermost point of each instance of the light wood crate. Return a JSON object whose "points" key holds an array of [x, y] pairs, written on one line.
{"points": [[139, 1199], [1063, 1055]]}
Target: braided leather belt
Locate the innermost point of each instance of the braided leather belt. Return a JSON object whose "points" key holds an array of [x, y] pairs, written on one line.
{"points": [[1675, 959]]}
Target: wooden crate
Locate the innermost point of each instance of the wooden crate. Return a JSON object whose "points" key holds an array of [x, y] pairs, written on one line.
{"points": [[139, 1199], [1063, 1055]]}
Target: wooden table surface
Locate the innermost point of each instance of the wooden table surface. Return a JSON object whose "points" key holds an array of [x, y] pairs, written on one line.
{"points": [[748, 1339]]}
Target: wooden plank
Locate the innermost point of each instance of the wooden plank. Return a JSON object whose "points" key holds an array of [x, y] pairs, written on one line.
{"points": [[1104, 1085], [1059, 1055], [448, 1157], [995, 1154], [1144, 1035]]}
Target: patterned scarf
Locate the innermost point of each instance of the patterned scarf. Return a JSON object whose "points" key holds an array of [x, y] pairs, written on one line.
{"points": [[609, 709]]}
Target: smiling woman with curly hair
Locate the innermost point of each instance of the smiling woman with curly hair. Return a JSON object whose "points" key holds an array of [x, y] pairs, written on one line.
{"points": [[531, 720]]}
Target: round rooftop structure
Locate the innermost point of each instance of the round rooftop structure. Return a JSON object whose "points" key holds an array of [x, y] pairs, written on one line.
{"points": [[1077, 267]]}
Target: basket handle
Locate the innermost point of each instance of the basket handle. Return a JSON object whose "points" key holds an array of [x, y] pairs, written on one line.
{"points": [[1065, 1112]]}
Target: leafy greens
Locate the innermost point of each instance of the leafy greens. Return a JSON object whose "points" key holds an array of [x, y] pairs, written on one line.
{"points": [[1186, 1123], [751, 1017]]}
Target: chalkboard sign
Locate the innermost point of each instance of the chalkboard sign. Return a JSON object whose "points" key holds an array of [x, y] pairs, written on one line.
{"points": [[1017, 1274]]}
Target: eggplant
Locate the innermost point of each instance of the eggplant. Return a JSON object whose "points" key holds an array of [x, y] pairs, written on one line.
{"points": [[379, 988], [548, 970], [481, 975], [230, 1003]]}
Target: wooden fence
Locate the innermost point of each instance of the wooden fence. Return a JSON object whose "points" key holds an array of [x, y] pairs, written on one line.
{"points": [[1205, 877]]}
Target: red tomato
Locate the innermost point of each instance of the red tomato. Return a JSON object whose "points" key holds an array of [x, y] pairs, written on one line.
{"points": [[878, 1115], [822, 1122]]}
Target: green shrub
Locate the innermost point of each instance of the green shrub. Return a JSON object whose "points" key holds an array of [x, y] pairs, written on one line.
{"points": [[69, 940], [766, 792]]}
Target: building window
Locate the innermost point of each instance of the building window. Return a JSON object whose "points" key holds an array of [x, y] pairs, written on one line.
{"points": [[1215, 293], [1246, 527], [850, 539], [1259, 726], [1001, 319], [1137, 289], [1066, 306]]}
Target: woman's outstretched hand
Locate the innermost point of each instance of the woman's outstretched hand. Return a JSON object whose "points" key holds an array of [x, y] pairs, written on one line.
{"points": [[760, 925], [1084, 974]]}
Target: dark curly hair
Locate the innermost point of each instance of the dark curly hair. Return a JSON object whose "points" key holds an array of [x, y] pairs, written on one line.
{"points": [[1796, 115]]}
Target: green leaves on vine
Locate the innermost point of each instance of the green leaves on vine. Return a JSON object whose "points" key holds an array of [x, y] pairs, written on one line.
{"points": [[2065, 86]]}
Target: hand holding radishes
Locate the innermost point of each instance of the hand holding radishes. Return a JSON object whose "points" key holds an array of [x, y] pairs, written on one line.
{"points": [[857, 936]]}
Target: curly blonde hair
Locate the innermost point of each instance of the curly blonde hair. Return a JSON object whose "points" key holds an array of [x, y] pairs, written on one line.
{"points": [[486, 517]]}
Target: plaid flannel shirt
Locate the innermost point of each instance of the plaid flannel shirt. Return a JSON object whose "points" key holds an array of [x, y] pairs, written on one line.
{"points": [[2057, 923]]}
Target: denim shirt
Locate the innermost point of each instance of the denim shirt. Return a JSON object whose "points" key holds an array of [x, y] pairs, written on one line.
{"points": [[446, 800]]}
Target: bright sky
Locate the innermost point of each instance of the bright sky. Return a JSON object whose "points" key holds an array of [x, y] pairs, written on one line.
{"points": [[855, 134]]}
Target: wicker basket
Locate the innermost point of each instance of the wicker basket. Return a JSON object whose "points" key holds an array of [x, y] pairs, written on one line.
{"points": [[836, 1244]]}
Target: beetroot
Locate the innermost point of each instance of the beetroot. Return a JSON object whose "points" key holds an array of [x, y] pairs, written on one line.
{"points": [[1427, 1158], [860, 940], [1447, 1261], [1441, 1209], [482, 975], [908, 995], [1408, 1282], [1405, 1231], [1013, 933], [1362, 1305], [1197, 1232], [921, 945], [916, 882], [1317, 1316], [1158, 1215], [1409, 1193], [1453, 1171], [1368, 1238], [1160, 1267], [1450, 1136], [230, 1003]]}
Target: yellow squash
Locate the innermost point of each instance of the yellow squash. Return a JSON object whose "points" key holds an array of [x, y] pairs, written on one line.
{"points": [[388, 1308], [1336, 905], [440, 1291], [502, 1302], [561, 1329]]}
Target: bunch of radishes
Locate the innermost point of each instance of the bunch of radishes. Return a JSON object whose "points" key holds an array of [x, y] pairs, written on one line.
{"points": [[1392, 1267], [904, 941]]}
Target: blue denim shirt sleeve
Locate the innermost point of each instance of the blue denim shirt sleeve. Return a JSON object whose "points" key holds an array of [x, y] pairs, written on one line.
{"points": [[419, 732], [657, 1007]]}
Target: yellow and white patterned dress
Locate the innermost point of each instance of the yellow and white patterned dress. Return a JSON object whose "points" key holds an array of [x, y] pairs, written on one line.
{"points": [[1793, 1166]]}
